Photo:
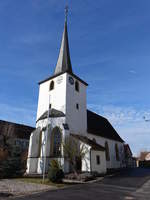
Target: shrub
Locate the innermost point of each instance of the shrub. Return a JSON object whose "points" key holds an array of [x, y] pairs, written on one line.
{"points": [[12, 166], [55, 173]]}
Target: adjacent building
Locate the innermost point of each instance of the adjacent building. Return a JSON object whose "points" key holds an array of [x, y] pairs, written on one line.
{"points": [[14, 135]]}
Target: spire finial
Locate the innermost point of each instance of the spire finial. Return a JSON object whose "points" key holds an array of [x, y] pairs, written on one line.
{"points": [[66, 12], [64, 61]]}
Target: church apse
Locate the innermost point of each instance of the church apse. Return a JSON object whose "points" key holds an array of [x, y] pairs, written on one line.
{"points": [[56, 143]]}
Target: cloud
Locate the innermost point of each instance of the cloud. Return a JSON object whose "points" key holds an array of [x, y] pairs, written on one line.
{"points": [[129, 123], [132, 71]]}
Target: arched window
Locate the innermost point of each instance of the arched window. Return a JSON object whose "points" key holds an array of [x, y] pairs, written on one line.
{"points": [[107, 151], [56, 139], [117, 152], [94, 140], [51, 87], [77, 86]]}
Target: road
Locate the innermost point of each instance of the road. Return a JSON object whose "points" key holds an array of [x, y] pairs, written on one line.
{"points": [[127, 185]]}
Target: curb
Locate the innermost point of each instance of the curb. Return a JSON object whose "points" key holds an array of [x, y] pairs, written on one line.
{"points": [[82, 182]]}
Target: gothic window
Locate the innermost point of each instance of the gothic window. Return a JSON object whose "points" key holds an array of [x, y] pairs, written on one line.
{"points": [[77, 86], [51, 87], [107, 151], [56, 139], [117, 152]]}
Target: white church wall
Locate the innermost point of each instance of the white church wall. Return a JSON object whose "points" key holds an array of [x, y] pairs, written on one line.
{"points": [[65, 94], [101, 167], [34, 144], [86, 163], [40, 167], [89, 163], [59, 121], [76, 118], [33, 152], [32, 164], [113, 163], [57, 95], [45, 146]]}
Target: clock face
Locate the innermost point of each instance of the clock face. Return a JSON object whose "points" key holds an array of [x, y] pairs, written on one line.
{"points": [[59, 79], [71, 80]]}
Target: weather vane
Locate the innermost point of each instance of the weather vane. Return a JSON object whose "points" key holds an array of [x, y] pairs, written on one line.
{"points": [[66, 12]]}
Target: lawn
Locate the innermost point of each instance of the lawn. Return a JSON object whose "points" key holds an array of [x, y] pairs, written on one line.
{"points": [[40, 181]]}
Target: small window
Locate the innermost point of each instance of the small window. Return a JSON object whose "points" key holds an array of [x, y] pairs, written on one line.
{"points": [[77, 86], [77, 106], [51, 85], [50, 106], [107, 151], [98, 160], [94, 140], [117, 152]]}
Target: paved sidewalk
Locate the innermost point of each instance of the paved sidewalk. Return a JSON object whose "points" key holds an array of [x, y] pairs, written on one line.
{"points": [[143, 192], [16, 187]]}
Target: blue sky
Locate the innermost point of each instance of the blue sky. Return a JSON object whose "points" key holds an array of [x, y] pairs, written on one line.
{"points": [[109, 46]]}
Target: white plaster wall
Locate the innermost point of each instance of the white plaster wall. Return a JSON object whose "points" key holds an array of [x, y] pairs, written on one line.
{"points": [[64, 97], [34, 144], [33, 152], [113, 163], [47, 164], [86, 163], [57, 95], [32, 164], [101, 168], [89, 161], [45, 146], [76, 118], [53, 123]]}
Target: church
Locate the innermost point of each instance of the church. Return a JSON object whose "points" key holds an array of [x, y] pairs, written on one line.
{"points": [[62, 113]]}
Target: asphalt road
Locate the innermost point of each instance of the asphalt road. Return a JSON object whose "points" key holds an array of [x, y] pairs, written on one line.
{"points": [[128, 185]]}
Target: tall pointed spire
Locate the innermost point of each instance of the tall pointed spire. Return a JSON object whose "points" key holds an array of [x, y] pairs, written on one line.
{"points": [[64, 61]]}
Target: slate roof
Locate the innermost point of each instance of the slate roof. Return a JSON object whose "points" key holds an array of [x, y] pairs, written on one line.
{"points": [[89, 142], [100, 126], [53, 113], [11, 129], [64, 61], [127, 150]]}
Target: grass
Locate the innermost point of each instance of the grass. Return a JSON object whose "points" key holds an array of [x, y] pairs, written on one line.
{"points": [[40, 181]]}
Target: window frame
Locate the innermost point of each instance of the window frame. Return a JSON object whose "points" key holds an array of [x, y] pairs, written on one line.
{"points": [[77, 86], [77, 106], [51, 85], [98, 160], [54, 151], [117, 152], [107, 152]]}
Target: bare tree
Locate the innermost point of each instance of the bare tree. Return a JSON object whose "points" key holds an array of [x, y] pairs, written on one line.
{"points": [[74, 152]]}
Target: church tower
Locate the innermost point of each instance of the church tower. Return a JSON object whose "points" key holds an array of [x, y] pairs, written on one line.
{"points": [[64, 91], [61, 111]]}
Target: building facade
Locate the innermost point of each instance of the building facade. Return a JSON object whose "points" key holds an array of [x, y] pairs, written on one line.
{"points": [[12, 134], [62, 113]]}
